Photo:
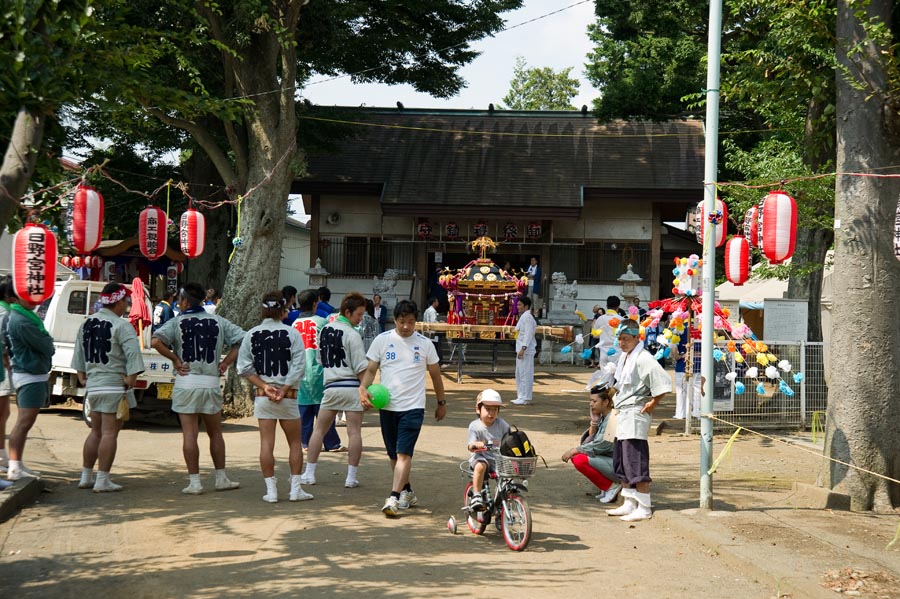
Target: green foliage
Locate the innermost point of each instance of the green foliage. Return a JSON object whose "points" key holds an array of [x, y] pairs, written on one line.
{"points": [[649, 55], [536, 88]]}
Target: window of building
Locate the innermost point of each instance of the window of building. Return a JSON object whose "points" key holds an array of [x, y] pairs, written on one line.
{"points": [[600, 261], [365, 256]]}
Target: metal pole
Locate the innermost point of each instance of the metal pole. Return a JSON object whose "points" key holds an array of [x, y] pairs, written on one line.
{"points": [[709, 249]]}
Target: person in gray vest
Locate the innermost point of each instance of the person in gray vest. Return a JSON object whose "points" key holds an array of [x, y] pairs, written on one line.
{"points": [[108, 361]]}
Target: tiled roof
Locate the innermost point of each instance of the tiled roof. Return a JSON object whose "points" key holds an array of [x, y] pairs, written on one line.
{"points": [[508, 158]]}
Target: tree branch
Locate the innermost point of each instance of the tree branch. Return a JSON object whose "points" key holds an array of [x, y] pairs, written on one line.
{"points": [[206, 141]]}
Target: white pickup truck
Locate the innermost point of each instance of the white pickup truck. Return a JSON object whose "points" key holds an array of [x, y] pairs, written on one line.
{"points": [[72, 302]]}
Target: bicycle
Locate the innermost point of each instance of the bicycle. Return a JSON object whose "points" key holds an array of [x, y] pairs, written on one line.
{"points": [[503, 501]]}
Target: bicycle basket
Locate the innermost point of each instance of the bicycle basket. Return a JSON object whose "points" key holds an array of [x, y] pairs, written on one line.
{"points": [[515, 467]]}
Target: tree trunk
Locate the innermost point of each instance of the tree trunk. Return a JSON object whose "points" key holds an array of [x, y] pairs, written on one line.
{"points": [[812, 245], [863, 425], [18, 161]]}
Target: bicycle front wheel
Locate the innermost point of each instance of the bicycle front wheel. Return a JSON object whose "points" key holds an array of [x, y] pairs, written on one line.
{"points": [[476, 520], [516, 520]]}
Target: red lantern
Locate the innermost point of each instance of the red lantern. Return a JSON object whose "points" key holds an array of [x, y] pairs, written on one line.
{"points": [[425, 230], [95, 262], [751, 226], [66, 261], [179, 267], [721, 226], [510, 231], [452, 231], [777, 226], [737, 260], [152, 232], [77, 262], [193, 233], [534, 230], [34, 263], [85, 220]]}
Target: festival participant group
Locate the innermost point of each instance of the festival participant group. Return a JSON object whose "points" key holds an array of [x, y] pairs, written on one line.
{"points": [[308, 364]]}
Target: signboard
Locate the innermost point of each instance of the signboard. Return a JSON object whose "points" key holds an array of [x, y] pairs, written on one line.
{"points": [[785, 319], [723, 392]]}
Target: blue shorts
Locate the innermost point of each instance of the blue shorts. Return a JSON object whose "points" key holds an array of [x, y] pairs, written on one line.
{"points": [[400, 431], [32, 395]]}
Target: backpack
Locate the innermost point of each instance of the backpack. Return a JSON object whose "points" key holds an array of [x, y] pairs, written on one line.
{"points": [[515, 444]]}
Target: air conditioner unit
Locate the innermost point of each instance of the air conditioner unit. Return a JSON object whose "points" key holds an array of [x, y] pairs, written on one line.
{"points": [[333, 218]]}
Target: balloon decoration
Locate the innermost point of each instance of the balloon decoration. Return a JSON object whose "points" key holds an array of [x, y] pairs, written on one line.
{"points": [[719, 216], [152, 232], [688, 275], [777, 226], [85, 220], [34, 263], [737, 260], [193, 233], [751, 226]]}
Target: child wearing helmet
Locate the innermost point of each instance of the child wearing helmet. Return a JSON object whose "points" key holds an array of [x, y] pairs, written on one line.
{"points": [[487, 429]]}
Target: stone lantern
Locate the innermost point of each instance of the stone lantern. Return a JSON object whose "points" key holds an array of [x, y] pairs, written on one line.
{"points": [[318, 276], [629, 281]]}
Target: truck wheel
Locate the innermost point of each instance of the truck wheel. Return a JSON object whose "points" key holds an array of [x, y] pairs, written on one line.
{"points": [[86, 411]]}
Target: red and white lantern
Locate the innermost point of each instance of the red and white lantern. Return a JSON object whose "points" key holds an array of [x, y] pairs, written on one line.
{"points": [[777, 226], [95, 262], [77, 262], [193, 233], [179, 267], [85, 220], [737, 260], [721, 228], [751, 226], [152, 232], [66, 261], [533, 230], [34, 263]]}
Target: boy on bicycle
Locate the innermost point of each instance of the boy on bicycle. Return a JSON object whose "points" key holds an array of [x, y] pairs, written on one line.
{"points": [[487, 429]]}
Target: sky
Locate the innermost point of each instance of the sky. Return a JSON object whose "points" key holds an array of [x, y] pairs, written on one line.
{"points": [[559, 40]]}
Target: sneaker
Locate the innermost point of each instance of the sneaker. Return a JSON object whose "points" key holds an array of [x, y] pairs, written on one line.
{"points": [[391, 507], [338, 449], [624, 509], [351, 483], [476, 503], [521, 402], [106, 486], [408, 499], [193, 489], [641, 512], [307, 479], [610, 494], [299, 495], [16, 472], [225, 484]]}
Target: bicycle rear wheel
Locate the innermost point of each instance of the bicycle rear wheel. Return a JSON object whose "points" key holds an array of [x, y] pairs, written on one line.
{"points": [[477, 521], [516, 520]]}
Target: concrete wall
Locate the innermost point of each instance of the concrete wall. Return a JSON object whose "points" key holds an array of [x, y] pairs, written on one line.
{"points": [[294, 256]]}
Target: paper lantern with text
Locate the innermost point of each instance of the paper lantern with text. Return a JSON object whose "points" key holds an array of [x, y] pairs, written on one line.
{"points": [[66, 261], [95, 262], [152, 232], [34, 263], [721, 227], [85, 220], [737, 260], [751, 226], [77, 262], [193, 233], [777, 226]]}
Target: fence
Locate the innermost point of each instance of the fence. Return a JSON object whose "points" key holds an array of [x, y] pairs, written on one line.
{"points": [[773, 409]]}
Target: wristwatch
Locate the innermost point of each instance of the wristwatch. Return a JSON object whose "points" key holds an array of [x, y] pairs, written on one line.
{"points": [[442, 402]]}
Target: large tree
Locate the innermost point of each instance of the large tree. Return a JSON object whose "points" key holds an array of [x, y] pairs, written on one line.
{"points": [[540, 88], [863, 426], [229, 76], [41, 43]]}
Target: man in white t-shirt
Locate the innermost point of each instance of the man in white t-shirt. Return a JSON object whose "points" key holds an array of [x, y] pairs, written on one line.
{"points": [[404, 356]]}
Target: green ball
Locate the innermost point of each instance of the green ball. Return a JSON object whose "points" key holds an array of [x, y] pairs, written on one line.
{"points": [[380, 395]]}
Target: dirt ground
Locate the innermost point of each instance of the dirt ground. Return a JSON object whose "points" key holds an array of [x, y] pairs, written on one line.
{"points": [[152, 541]]}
